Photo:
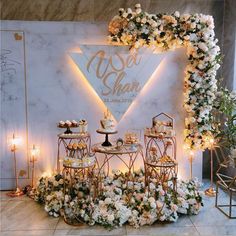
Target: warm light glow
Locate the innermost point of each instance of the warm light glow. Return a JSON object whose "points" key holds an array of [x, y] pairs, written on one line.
{"points": [[146, 87], [212, 141], [191, 153], [14, 142], [77, 71], [34, 152], [46, 174]]}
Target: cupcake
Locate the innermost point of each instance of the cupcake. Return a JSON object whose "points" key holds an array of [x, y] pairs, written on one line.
{"points": [[68, 123], [61, 123], [74, 123], [75, 146]]}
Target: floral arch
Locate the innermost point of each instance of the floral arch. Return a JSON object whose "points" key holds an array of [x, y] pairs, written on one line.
{"points": [[167, 32]]}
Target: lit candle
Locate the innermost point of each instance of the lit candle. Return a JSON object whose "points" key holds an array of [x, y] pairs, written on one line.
{"points": [[35, 151], [14, 142]]}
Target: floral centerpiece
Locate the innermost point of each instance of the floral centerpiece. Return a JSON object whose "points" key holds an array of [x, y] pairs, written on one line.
{"points": [[193, 31]]}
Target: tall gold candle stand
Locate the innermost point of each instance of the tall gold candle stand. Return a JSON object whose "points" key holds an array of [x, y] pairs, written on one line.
{"points": [[34, 153], [211, 192], [191, 158], [14, 142]]}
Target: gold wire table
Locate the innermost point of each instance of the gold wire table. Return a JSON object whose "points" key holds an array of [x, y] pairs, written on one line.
{"points": [[164, 166], [228, 183], [127, 154], [71, 176], [66, 139]]}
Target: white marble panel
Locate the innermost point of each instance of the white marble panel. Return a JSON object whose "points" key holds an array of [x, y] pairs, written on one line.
{"points": [[57, 90], [13, 104]]}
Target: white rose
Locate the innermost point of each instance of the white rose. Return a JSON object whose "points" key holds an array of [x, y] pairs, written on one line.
{"points": [[151, 199], [125, 14], [138, 10], [192, 201], [144, 20], [162, 218], [110, 218], [159, 204], [203, 47], [129, 11], [153, 205], [108, 201], [48, 198], [193, 25], [152, 186], [174, 207], [176, 14]]}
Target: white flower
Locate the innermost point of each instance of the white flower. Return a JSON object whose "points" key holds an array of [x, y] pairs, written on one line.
{"points": [[153, 205], [143, 20], [176, 14], [108, 201], [203, 46], [174, 207], [129, 11], [151, 199], [138, 10], [110, 218], [159, 204], [152, 186]]}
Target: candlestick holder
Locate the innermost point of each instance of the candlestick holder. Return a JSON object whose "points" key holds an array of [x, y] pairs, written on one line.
{"points": [[211, 192], [191, 159], [14, 142]]}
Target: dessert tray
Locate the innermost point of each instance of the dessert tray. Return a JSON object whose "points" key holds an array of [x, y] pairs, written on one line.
{"points": [[85, 162], [73, 135], [126, 148]]}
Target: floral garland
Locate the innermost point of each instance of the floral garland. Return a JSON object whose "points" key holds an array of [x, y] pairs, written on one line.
{"points": [[120, 202], [196, 33]]}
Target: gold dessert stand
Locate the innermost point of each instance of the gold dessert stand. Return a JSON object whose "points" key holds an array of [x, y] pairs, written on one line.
{"points": [[66, 139], [71, 175], [164, 168], [127, 154]]}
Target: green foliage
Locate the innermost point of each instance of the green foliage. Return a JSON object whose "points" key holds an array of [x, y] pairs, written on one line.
{"points": [[225, 109]]}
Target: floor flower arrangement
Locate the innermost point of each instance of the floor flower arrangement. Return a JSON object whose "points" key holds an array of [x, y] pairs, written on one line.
{"points": [[121, 201]]}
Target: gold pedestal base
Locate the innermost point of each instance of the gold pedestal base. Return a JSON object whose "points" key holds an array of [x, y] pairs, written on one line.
{"points": [[15, 193], [210, 192]]}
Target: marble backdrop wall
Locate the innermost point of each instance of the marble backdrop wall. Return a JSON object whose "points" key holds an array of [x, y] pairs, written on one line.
{"points": [[56, 91]]}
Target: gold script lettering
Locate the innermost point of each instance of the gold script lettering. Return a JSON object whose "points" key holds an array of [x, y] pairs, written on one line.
{"points": [[113, 74]]}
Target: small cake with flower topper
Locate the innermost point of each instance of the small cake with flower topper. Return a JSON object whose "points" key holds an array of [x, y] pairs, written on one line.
{"points": [[107, 123], [107, 127]]}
